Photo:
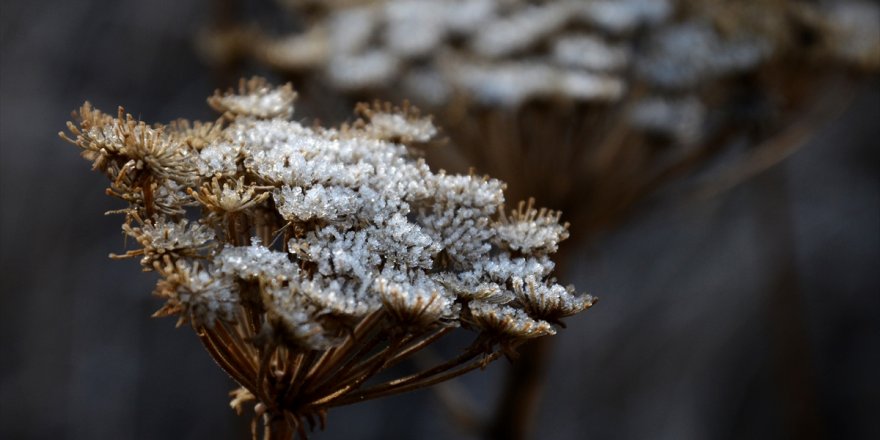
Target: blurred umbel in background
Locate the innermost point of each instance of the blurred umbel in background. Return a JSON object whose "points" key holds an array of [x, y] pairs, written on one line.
{"points": [[589, 106], [584, 105], [686, 342]]}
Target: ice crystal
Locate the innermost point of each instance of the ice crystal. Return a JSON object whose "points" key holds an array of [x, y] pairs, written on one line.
{"points": [[319, 202], [256, 262], [317, 245]]}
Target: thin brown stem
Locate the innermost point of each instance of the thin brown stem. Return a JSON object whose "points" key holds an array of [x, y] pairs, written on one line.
{"points": [[296, 384], [277, 427], [244, 353], [473, 351], [221, 358], [333, 357], [369, 369], [384, 390], [418, 345], [296, 366], [521, 393], [344, 372], [263, 374]]}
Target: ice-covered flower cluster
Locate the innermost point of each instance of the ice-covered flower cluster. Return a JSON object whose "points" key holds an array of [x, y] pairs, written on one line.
{"points": [[314, 247]]}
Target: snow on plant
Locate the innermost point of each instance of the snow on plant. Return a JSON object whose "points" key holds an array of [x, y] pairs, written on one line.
{"points": [[322, 256]]}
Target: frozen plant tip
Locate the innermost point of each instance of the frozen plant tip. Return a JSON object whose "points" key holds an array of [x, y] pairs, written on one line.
{"points": [[308, 260]]}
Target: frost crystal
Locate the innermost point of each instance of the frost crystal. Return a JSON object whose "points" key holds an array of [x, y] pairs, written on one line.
{"points": [[315, 246], [319, 202], [255, 262]]}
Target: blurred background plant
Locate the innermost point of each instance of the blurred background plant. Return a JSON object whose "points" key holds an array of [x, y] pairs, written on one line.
{"points": [[688, 343], [585, 105], [588, 106]]}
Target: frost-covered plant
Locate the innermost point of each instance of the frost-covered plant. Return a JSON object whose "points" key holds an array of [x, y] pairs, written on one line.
{"points": [[308, 259]]}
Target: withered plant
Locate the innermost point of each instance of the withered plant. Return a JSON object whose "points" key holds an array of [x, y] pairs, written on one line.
{"points": [[308, 260]]}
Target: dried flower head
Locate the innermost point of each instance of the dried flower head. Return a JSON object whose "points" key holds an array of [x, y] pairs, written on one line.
{"points": [[396, 124], [530, 230], [256, 98], [324, 256], [176, 239], [230, 197]]}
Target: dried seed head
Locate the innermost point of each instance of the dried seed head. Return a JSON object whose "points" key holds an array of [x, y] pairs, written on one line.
{"points": [[255, 98], [231, 196], [467, 289], [396, 124], [550, 302], [358, 253], [508, 321], [196, 135], [421, 304], [530, 230], [197, 294], [175, 239]]}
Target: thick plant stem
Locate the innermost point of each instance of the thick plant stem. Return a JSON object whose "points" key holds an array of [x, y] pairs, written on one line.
{"points": [[515, 413], [278, 428], [793, 367]]}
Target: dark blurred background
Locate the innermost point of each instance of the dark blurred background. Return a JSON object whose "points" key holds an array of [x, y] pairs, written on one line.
{"points": [[753, 313]]}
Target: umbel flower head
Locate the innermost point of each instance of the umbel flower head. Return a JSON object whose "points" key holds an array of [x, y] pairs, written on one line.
{"points": [[308, 259]]}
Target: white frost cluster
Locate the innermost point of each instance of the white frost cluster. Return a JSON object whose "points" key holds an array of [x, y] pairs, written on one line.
{"points": [[255, 263], [317, 228], [317, 202]]}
